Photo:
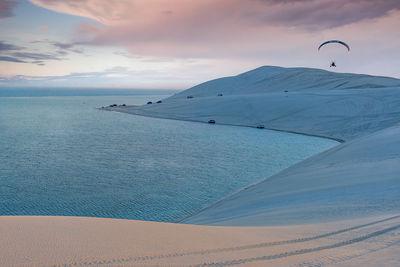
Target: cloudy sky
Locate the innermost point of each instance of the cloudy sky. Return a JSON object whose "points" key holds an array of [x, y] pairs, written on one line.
{"points": [[174, 44]]}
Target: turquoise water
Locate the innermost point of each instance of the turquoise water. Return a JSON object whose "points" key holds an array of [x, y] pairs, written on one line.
{"points": [[59, 155]]}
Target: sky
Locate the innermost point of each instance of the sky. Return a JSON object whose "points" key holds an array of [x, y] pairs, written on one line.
{"points": [[175, 44]]}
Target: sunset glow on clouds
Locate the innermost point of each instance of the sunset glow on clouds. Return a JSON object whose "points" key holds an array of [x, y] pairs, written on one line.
{"points": [[176, 43]]}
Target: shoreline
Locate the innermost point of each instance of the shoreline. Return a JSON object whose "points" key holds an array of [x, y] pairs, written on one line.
{"points": [[224, 124]]}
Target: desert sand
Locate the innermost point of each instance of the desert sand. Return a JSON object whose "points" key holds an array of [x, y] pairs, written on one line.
{"points": [[340, 207], [74, 241]]}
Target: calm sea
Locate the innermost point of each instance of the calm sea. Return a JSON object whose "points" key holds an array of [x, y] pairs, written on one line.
{"points": [[59, 155]]}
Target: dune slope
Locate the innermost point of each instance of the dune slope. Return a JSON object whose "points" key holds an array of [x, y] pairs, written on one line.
{"points": [[74, 241], [355, 179]]}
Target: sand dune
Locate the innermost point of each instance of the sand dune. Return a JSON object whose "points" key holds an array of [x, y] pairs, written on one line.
{"points": [[73, 241], [317, 102], [340, 207]]}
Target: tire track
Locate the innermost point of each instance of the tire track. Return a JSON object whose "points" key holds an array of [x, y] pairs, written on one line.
{"points": [[302, 251], [336, 259], [238, 248], [390, 244]]}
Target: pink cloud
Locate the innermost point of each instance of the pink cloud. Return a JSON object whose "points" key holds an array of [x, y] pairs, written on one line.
{"points": [[280, 32], [86, 28], [220, 27], [306, 13], [44, 28]]}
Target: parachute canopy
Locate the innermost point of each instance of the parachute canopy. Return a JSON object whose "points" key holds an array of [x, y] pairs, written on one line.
{"points": [[335, 41]]}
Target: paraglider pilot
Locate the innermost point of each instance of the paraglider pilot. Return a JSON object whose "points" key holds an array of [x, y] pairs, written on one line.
{"points": [[333, 64]]}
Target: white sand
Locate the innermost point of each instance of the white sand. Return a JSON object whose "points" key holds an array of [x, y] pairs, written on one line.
{"points": [[327, 201]]}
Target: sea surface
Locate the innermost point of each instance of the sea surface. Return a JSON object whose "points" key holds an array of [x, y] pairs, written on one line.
{"points": [[60, 155]]}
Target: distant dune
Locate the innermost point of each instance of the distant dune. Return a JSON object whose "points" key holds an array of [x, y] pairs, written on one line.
{"points": [[270, 79], [310, 101]]}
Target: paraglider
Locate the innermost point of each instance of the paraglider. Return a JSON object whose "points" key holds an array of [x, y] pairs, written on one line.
{"points": [[333, 63], [335, 41]]}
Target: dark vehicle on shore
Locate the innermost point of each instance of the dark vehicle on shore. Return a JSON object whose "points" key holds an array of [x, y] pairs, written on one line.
{"points": [[211, 121]]}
